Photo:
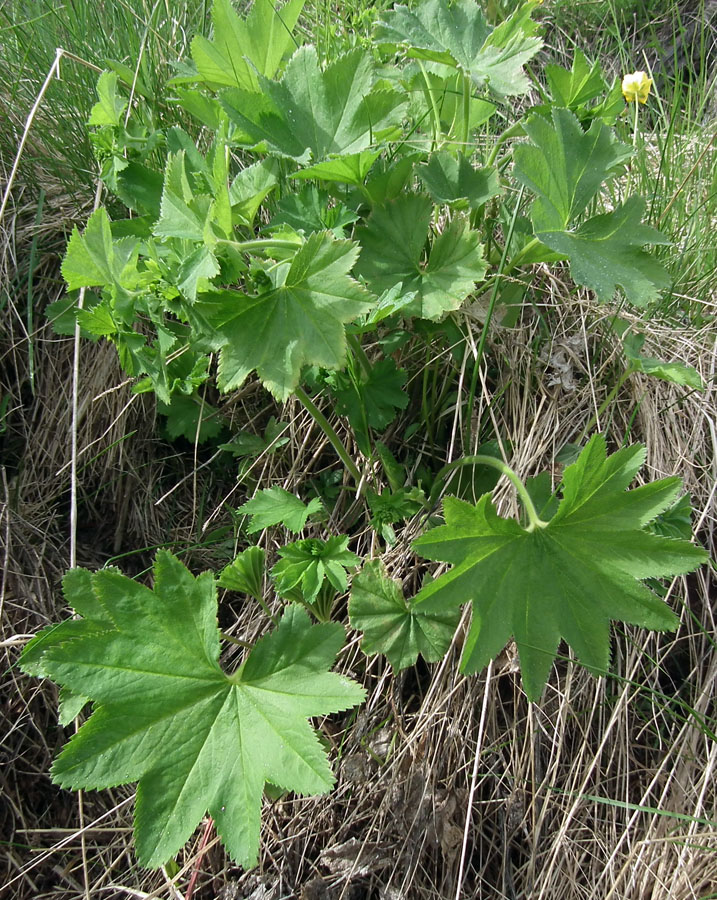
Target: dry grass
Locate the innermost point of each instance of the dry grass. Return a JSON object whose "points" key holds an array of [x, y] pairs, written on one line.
{"points": [[447, 786]]}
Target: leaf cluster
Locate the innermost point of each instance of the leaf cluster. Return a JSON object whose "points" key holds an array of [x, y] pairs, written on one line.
{"points": [[320, 220], [322, 189]]}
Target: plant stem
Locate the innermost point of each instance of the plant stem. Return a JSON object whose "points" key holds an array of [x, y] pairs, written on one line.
{"points": [[425, 410], [534, 520], [328, 430], [634, 144], [606, 402], [521, 254], [515, 130], [265, 609], [489, 316], [261, 244], [232, 640], [466, 109], [434, 107], [359, 353]]}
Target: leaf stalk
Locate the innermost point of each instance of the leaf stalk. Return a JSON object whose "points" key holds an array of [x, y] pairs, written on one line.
{"points": [[436, 116], [489, 315], [261, 244], [445, 474], [330, 433], [466, 109]]}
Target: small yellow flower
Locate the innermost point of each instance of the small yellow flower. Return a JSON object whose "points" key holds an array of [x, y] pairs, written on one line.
{"points": [[636, 86]]}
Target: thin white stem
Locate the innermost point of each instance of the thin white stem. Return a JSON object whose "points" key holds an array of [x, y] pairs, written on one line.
{"points": [[75, 417], [54, 70], [474, 779], [73, 523]]}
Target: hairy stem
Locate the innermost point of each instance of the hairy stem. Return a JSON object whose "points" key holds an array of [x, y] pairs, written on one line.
{"points": [[330, 433], [359, 353], [232, 640], [466, 109], [522, 254], [445, 474], [489, 316], [606, 402], [634, 145], [434, 108], [261, 244]]}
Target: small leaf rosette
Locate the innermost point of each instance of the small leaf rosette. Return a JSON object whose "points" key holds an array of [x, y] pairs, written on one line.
{"points": [[636, 87]]}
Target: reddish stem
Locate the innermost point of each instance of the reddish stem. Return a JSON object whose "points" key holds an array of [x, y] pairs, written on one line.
{"points": [[197, 864]]}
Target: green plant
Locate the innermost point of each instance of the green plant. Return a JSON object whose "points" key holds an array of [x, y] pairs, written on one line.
{"points": [[168, 716], [570, 569], [333, 208]]}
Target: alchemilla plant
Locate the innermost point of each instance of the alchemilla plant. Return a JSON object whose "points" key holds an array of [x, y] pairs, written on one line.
{"points": [[331, 207]]}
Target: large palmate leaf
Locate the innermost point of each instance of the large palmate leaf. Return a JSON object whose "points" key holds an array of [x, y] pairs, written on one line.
{"points": [[567, 578], [96, 619], [391, 625], [166, 715], [312, 114], [242, 49], [459, 36], [393, 242], [298, 321], [566, 167]]}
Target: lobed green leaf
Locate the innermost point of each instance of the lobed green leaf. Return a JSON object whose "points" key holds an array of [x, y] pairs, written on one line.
{"points": [[566, 579], [165, 714]]}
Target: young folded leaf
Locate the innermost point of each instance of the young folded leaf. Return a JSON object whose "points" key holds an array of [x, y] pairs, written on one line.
{"points": [[167, 716], [305, 565], [566, 578], [245, 573]]}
